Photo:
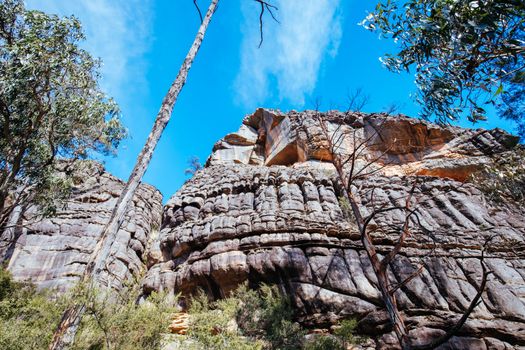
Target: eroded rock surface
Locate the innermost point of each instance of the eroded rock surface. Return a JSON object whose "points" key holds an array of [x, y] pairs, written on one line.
{"points": [[402, 145], [53, 252], [266, 209]]}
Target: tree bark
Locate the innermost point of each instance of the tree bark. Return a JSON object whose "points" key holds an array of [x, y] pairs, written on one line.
{"points": [[64, 335]]}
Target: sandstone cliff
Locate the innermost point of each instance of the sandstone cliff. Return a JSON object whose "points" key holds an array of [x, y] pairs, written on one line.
{"points": [[53, 252], [266, 209]]}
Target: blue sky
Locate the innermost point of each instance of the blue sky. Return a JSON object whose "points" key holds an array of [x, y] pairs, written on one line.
{"points": [[317, 52]]}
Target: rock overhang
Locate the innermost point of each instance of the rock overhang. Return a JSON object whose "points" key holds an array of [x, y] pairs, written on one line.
{"points": [[401, 145]]}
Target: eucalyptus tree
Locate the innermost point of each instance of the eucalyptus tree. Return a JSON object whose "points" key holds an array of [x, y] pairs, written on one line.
{"points": [[51, 107], [466, 54]]}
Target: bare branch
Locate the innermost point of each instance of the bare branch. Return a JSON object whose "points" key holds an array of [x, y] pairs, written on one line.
{"points": [[475, 302], [357, 100], [265, 5], [198, 9], [393, 108], [406, 280]]}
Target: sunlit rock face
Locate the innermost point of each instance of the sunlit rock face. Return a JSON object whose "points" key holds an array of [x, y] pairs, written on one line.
{"points": [[401, 145], [53, 252], [266, 208]]}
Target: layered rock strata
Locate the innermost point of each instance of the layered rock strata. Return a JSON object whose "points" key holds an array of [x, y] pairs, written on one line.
{"points": [[267, 208], [53, 252]]}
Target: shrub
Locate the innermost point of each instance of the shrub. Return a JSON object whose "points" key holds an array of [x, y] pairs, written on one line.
{"points": [[112, 320], [343, 337], [213, 325], [116, 321], [27, 317], [324, 342], [504, 178], [271, 313], [248, 319]]}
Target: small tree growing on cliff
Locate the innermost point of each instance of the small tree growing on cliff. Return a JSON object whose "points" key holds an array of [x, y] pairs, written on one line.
{"points": [[349, 174], [194, 165]]}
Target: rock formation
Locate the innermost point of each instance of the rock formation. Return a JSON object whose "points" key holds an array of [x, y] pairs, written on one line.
{"points": [[53, 252], [266, 209]]}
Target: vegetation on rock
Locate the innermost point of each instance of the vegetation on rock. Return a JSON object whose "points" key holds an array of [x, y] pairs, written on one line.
{"points": [[27, 317], [112, 321], [504, 179], [257, 319], [248, 319]]}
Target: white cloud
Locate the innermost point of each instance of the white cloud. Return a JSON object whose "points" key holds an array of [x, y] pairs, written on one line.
{"points": [[117, 31], [292, 51]]}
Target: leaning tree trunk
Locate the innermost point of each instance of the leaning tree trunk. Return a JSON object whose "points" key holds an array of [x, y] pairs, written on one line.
{"points": [[65, 333]]}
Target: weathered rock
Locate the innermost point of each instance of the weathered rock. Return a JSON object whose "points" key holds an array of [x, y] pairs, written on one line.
{"points": [[403, 146], [179, 323], [268, 211], [53, 252]]}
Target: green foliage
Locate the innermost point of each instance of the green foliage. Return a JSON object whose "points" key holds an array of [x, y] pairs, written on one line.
{"points": [[112, 320], [504, 178], [346, 332], [270, 312], [51, 106], [346, 208], [116, 321], [27, 317], [466, 54], [247, 320], [324, 342], [213, 325]]}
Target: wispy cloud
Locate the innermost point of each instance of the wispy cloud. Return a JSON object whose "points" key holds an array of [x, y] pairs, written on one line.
{"points": [[289, 61], [117, 31]]}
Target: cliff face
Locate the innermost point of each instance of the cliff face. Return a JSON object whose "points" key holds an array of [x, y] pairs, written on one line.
{"points": [[266, 209], [53, 252]]}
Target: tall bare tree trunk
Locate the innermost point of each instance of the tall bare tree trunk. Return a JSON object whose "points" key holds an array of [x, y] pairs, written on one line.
{"points": [[65, 333]]}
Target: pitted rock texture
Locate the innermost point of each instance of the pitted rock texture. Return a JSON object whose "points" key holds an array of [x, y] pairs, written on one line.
{"points": [[53, 252], [266, 209]]}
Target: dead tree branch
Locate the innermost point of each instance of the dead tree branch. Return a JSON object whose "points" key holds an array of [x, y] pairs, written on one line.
{"points": [[198, 9], [348, 171], [475, 302], [357, 100], [265, 5]]}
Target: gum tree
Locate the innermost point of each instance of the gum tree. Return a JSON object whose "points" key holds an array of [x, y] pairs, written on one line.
{"points": [[51, 107], [65, 333], [466, 54]]}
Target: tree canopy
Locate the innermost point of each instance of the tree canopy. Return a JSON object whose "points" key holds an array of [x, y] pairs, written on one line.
{"points": [[466, 54], [51, 106]]}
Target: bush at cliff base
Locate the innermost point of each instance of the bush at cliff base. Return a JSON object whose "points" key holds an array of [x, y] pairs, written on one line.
{"points": [[257, 319], [27, 317], [114, 321], [247, 320]]}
